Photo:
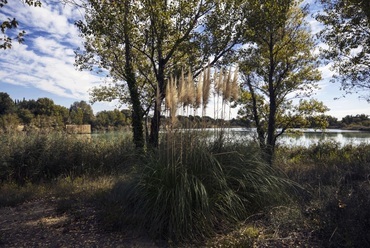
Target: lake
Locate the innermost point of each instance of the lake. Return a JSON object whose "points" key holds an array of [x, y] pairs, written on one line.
{"points": [[307, 137], [304, 137]]}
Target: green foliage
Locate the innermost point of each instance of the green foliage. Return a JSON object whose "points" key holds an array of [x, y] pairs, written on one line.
{"points": [[337, 179], [6, 104], [278, 65], [346, 33], [81, 113], [36, 157], [12, 23], [120, 39], [110, 118], [185, 191], [9, 122]]}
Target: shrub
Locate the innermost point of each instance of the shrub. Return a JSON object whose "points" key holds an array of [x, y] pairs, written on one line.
{"points": [[184, 191]]}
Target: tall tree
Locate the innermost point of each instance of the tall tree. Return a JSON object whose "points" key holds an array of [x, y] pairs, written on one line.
{"points": [[7, 105], [165, 36], [44, 106], [277, 66], [12, 23], [347, 35], [81, 113]]}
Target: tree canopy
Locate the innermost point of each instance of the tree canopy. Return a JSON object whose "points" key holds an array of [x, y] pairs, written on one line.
{"points": [[165, 37], [277, 66], [347, 36], [12, 23]]}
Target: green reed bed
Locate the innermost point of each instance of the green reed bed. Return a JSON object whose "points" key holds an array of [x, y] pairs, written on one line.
{"points": [[191, 187], [31, 158]]}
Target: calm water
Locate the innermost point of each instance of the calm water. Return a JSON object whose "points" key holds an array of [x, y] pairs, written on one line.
{"points": [[307, 137]]}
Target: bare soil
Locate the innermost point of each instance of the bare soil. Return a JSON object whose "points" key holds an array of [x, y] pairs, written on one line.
{"points": [[38, 223]]}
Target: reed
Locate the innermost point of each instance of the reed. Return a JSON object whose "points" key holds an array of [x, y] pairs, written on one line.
{"points": [[206, 88]]}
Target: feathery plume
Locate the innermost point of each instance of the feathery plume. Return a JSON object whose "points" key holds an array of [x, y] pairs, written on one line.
{"points": [[198, 93], [182, 88], [226, 86], [206, 86], [235, 86]]}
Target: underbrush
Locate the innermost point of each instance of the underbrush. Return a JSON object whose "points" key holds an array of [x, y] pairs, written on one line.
{"points": [[194, 191], [338, 180], [187, 190], [33, 158]]}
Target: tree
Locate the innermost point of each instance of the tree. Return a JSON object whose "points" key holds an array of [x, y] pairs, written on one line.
{"points": [[277, 66], [81, 113], [7, 105], [152, 40], [347, 36], [44, 106], [25, 115], [12, 23]]}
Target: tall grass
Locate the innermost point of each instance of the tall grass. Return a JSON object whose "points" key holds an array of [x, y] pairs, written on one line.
{"points": [[189, 188], [338, 179], [39, 157], [188, 191]]}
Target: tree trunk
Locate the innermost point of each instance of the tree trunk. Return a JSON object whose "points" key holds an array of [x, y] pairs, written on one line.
{"points": [[154, 127], [137, 117], [156, 120]]}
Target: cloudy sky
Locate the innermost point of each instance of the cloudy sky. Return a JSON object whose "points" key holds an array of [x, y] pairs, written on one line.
{"points": [[43, 65]]}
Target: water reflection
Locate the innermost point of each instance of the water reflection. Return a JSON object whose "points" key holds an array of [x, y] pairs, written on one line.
{"points": [[306, 137]]}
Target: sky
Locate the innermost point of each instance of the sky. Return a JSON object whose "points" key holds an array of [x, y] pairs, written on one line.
{"points": [[43, 66]]}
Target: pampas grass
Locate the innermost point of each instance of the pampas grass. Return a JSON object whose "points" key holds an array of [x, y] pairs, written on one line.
{"points": [[186, 192]]}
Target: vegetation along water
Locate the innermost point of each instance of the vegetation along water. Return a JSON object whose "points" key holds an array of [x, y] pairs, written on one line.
{"points": [[170, 62]]}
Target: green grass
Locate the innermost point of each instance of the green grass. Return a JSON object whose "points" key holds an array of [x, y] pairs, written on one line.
{"points": [[338, 181], [43, 157], [193, 191], [186, 190]]}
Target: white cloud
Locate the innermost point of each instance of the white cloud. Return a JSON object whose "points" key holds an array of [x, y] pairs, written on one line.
{"points": [[46, 59]]}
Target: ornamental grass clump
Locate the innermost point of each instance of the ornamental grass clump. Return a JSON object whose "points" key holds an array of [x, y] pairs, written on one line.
{"points": [[185, 192]]}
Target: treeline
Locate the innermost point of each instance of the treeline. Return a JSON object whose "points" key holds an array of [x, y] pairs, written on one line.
{"points": [[356, 122], [44, 114]]}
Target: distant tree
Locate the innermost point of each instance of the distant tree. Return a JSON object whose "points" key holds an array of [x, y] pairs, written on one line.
{"points": [[61, 115], [110, 118], [277, 66], [332, 121], [44, 106], [81, 113], [7, 105], [25, 115], [12, 23], [347, 35], [31, 105], [355, 119]]}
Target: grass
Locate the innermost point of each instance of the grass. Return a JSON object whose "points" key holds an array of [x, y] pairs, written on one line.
{"points": [[187, 191], [215, 193], [43, 157], [338, 180]]}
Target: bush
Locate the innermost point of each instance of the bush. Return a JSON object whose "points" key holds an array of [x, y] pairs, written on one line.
{"points": [[184, 191]]}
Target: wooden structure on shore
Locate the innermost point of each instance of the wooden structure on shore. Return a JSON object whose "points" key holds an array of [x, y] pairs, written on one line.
{"points": [[78, 129]]}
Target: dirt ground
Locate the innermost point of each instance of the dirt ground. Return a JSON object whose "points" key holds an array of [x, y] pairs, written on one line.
{"points": [[38, 224]]}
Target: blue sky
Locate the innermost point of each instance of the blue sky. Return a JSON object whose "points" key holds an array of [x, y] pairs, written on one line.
{"points": [[43, 65]]}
